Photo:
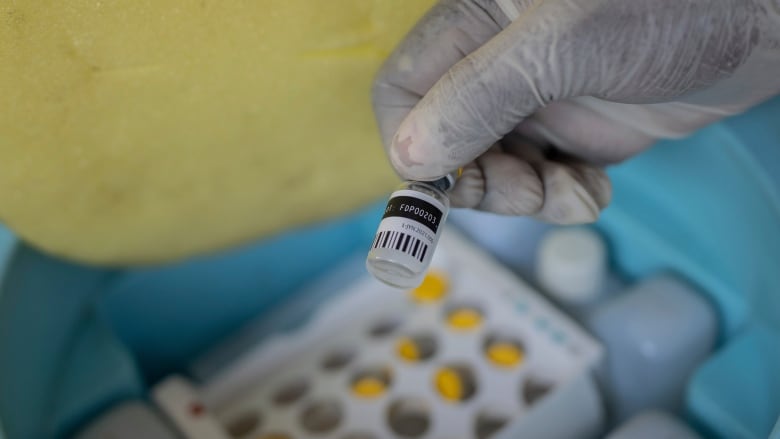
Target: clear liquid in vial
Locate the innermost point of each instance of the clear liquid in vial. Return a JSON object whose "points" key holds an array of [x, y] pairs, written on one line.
{"points": [[409, 232]]}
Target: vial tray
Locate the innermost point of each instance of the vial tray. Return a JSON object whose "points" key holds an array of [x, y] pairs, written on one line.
{"points": [[474, 352]]}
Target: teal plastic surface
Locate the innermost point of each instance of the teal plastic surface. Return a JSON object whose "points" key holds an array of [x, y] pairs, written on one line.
{"points": [[59, 361], [73, 339], [736, 391], [708, 206], [168, 315], [775, 434], [7, 244]]}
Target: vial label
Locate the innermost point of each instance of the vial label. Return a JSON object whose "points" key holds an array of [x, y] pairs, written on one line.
{"points": [[409, 228], [415, 208]]}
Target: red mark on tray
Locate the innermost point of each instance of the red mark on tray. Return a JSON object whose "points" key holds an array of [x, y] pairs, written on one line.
{"points": [[197, 409]]}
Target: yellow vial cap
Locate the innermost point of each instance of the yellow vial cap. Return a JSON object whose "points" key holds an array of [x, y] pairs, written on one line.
{"points": [[449, 384], [407, 349], [464, 319], [433, 288], [368, 387], [505, 354]]}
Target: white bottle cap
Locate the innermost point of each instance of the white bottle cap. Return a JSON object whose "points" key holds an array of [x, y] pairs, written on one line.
{"points": [[571, 265]]}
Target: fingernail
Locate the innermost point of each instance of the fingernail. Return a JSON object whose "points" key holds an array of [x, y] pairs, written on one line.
{"points": [[410, 153], [403, 143]]}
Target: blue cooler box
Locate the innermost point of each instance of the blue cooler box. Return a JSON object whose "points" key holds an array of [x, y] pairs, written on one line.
{"points": [[75, 339]]}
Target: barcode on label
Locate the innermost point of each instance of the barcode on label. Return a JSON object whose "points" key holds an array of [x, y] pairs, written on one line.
{"points": [[401, 242]]}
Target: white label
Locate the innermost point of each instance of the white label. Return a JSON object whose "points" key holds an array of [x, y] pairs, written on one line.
{"points": [[410, 228]]}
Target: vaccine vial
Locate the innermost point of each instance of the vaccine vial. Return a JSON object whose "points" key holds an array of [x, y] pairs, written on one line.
{"points": [[409, 232]]}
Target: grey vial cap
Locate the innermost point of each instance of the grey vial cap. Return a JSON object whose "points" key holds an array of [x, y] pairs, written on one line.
{"points": [[445, 183]]}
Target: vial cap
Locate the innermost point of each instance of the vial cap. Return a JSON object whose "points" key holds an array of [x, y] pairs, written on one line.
{"points": [[464, 319], [407, 349], [449, 384], [369, 387], [503, 354], [433, 288], [455, 383], [572, 264], [448, 181]]}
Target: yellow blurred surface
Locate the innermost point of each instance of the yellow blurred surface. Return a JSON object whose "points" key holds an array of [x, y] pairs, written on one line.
{"points": [[464, 319], [368, 387], [503, 354], [147, 130], [433, 288], [449, 384], [407, 349]]}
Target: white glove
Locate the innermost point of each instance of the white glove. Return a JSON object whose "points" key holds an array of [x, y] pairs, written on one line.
{"points": [[491, 85]]}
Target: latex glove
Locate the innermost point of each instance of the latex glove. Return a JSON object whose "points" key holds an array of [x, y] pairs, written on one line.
{"points": [[601, 80]]}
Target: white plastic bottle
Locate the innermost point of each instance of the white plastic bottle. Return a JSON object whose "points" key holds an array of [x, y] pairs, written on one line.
{"points": [[572, 267], [653, 425], [655, 335]]}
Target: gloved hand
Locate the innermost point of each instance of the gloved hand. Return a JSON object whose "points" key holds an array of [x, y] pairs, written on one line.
{"points": [[533, 97]]}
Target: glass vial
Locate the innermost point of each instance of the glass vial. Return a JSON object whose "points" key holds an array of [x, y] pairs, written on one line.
{"points": [[409, 232]]}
